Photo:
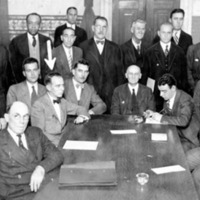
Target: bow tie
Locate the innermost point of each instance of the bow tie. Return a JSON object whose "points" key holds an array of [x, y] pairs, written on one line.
{"points": [[100, 42], [57, 100], [79, 85]]}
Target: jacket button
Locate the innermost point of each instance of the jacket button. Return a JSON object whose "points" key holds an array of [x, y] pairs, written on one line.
{"points": [[19, 176]]}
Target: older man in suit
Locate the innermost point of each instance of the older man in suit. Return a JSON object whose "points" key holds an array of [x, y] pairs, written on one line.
{"points": [[79, 92], [178, 110], [30, 44], [50, 111], [66, 54], [105, 60], [180, 38], [27, 157], [133, 49], [165, 57], [80, 33], [132, 98], [29, 90]]}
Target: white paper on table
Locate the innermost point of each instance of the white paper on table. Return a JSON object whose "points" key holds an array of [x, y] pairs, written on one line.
{"points": [[159, 136], [80, 145], [121, 132], [168, 169], [151, 83], [151, 121]]}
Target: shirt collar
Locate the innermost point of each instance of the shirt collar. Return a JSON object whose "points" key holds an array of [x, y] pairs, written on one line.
{"points": [[95, 39], [135, 88], [163, 45], [76, 83], [136, 44], [67, 49], [14, 135], [171, 101], [30, 86], [30, 37], [71, 25], [177, 33]]}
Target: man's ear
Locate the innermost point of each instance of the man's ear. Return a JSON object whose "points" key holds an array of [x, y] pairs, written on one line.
{"points": [[61, 37], [23, 72], [73, 71], [6, 116], [93, 28], [170, 20], [158, 32], [48, 87]]}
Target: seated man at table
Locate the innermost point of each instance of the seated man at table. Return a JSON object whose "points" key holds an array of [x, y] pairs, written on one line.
{"points": [[26, 156], [178, 110], [50, 111], [81, 93], [29, 90], [132, 98]]}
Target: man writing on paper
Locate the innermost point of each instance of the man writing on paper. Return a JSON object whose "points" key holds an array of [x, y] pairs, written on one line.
{"points": [[178, 110], [132, 98], [50, 111], [27, 157]]}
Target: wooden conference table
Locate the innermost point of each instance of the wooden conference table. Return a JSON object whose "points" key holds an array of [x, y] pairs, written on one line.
{"points": [[132, 153]]}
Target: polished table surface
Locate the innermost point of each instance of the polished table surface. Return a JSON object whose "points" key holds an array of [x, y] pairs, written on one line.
{"points": [[132, 154]]}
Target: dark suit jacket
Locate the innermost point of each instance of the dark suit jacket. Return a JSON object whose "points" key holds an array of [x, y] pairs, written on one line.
{"points": [[122, 98], [193, 64], [196, 99], [80, 33], [20, 92], [61, 64], [131, 56], [16, 166], [19, 50], [184, 117], [44, 116], [184, 42], [106, 71], [88, 97], [154, 67]]}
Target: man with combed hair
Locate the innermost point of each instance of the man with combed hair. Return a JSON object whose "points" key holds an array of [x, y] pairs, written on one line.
{"points": [[122, 100], [27, 157], [133, 49], [50, 111], [81, 35], [105, 60], [178, 110]]}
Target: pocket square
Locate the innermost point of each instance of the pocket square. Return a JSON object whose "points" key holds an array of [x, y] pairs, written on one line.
{"points": [[123, 102], [196, 60]]}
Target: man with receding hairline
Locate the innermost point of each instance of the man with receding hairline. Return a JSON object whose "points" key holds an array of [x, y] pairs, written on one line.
{"points": [[26, 156]]}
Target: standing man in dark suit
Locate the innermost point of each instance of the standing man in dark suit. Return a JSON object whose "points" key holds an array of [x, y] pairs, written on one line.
{"points": [[30, 44], [180, 38], [79, 92], [105, 60], [178, 110], [80, 33], [133, 49], [29, 90], [132, 98], [66, 54], [165, 57], [27, 157]]}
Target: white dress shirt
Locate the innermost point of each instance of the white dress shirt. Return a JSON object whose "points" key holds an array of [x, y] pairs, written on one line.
{"points": [[71, 25], [99, 46], [30, 89], [135, 88], [78, 88], [163, 45]]}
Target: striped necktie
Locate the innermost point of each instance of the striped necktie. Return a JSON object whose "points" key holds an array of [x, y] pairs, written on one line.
{"points": [[176, 39], [20, 143], [69, 58], [33, 95], [166, 51]]}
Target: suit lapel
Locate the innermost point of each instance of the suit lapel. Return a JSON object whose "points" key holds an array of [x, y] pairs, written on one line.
{"points": [[159, 54], [176, 102], [72, 92], [25, 93], [84, 94], [63, 58], [172, 54]]}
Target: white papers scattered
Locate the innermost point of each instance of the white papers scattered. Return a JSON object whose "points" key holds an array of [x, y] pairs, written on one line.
{"points": [[80, 145], [151, 83], [159, 136], [168, 169], [121, 132], [151, 121]]}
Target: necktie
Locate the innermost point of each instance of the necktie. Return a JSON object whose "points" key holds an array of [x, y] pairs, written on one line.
{"points": [[69, 59], [166, 51], [58, 100], [33, 95], [20, 143], [138, 49], [100, 42], [176, 38], [34, 42], [134, 104]]}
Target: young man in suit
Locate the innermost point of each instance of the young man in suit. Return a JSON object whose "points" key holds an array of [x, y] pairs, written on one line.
{"points": [[29, 90], [178, 110], [105, 60], [132, 98], [80, 33], [180, 38], [79, 92], [27, 157], [133, 49], [30, 44], [66, 54], [50, 111], [165, 57]]}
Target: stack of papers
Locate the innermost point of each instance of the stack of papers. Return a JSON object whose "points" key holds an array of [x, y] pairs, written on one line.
{"points": [[168, 169], [80, 145], [121, 132], [99, 173]]}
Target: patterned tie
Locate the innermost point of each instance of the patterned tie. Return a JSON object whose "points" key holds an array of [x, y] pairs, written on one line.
{"points": [[176, 39], [33, 95], [166, 51], [34, 42], [20, 143], [69, 58]]}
